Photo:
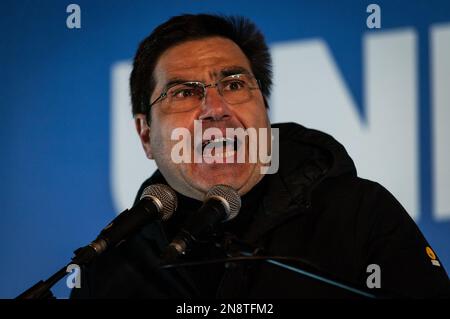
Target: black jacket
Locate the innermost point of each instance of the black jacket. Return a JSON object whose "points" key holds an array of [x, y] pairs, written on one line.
{"points": [[315, 210]]}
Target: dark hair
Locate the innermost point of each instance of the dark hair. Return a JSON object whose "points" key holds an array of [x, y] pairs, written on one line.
{"points": [[191, 27]]}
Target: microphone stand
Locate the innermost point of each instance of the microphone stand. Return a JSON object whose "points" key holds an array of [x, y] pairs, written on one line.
{"points": [[42, 289], [164, 202]]}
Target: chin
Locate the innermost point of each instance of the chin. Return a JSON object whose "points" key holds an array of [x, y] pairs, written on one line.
{"points": [[234, 175]]}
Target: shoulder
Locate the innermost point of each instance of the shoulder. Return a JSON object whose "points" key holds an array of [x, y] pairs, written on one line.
{"points": [[367, 202]]}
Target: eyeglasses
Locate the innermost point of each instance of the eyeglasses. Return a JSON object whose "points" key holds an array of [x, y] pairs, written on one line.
{"points": [[182, 97]]}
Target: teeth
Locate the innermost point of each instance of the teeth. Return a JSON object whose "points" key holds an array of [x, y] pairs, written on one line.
{"points": [[217, 140], [226, 154]]}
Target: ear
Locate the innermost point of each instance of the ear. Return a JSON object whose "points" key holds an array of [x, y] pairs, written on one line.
{"points": [[143, 131]]}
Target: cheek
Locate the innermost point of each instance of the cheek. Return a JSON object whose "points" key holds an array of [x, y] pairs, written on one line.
{"points": [[254, 115], [158, 138], [161, 132]]}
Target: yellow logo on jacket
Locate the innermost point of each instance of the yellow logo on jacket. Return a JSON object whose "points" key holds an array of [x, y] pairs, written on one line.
{"points": [[432, 256]]}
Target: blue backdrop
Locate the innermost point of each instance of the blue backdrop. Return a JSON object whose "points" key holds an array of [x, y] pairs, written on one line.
{"points": [[55, 90]]}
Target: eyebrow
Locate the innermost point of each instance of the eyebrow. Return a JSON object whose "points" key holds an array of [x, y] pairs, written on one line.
{"points": [[175, 81], [231, 70]]}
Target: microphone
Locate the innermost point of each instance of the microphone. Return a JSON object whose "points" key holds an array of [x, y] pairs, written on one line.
{"points": [[221, 203], [157, 201]]}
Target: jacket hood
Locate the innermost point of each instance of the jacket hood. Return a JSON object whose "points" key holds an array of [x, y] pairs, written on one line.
{"points": [[299, 144], [308, 157]]}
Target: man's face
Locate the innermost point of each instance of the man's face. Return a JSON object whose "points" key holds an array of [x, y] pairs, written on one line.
{"points": [[205, 60]]}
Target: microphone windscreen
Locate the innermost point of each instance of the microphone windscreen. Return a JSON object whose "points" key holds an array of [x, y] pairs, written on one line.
{"points": [[230, 196], [164, 197]]}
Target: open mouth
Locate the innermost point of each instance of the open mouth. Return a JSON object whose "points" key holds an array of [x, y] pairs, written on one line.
{"points": [[220, 147]]}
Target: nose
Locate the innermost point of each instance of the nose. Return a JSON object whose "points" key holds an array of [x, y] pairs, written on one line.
{"points": [[214, 107]]}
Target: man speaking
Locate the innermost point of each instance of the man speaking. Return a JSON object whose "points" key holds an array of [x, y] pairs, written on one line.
{"points": [[263, 210]]}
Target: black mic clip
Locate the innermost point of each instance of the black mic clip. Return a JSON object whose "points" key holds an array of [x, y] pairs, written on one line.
{"points": [[234, 247]]}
